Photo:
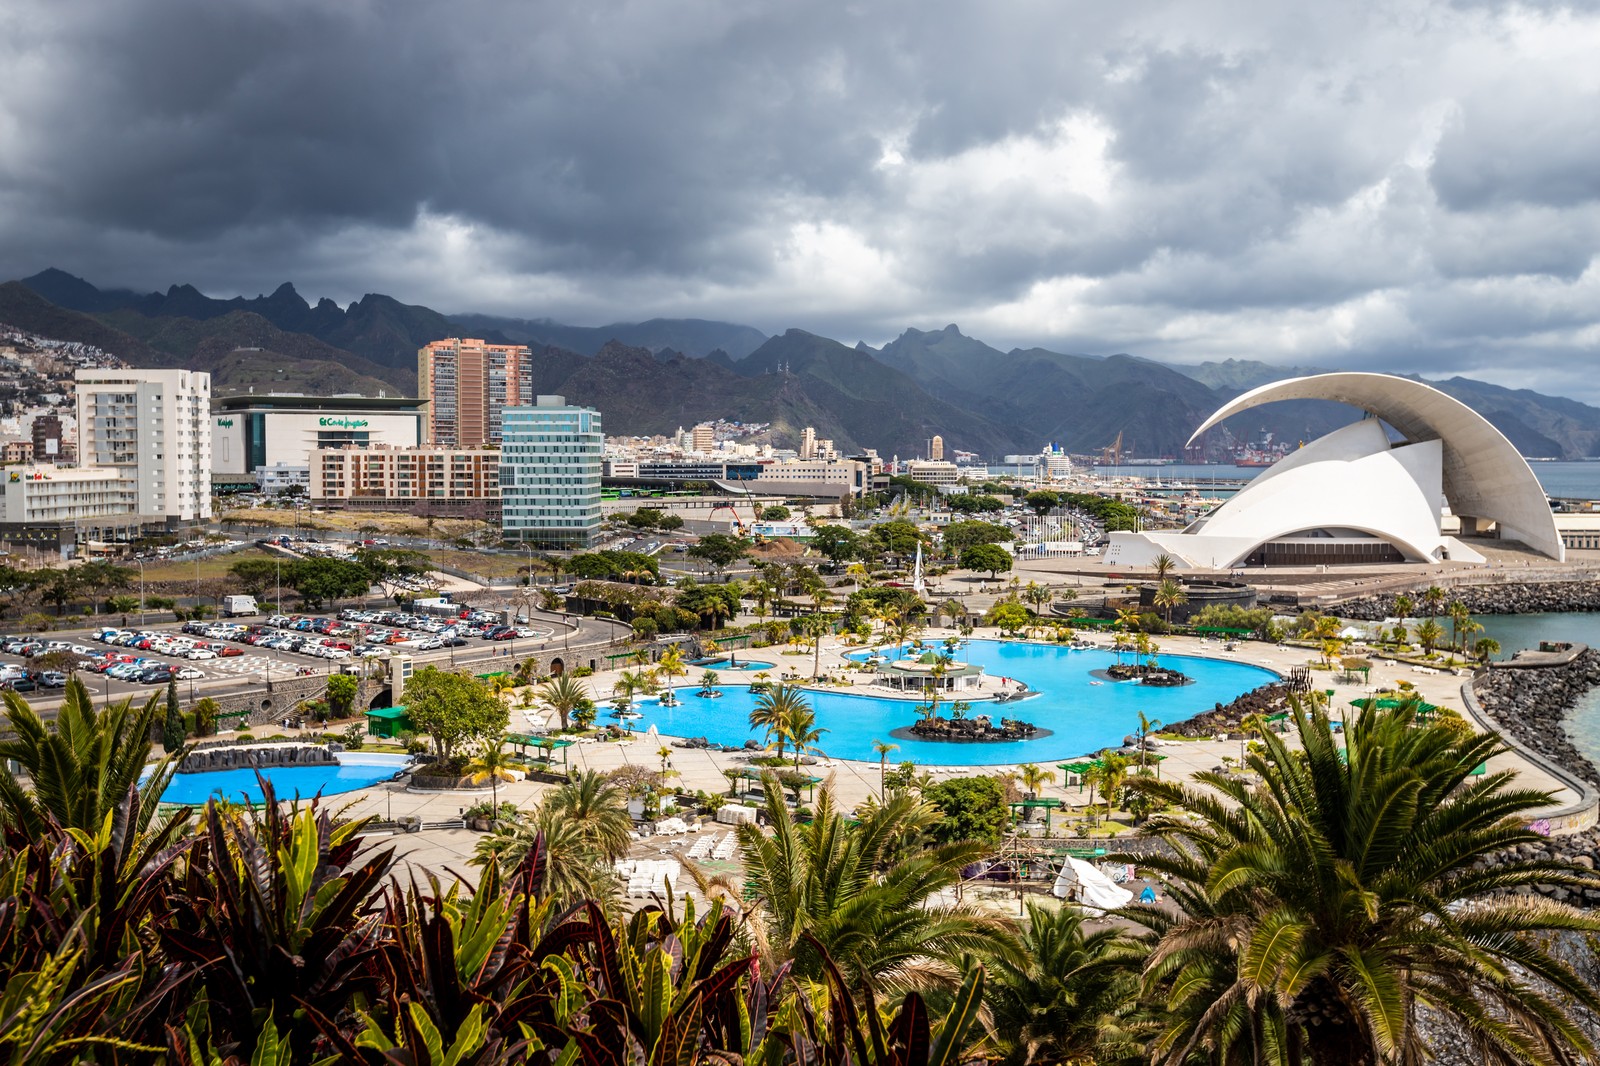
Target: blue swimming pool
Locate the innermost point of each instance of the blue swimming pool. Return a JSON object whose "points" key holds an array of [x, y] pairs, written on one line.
{"points": [[1082, 715], [354, 771], [735, 663]]}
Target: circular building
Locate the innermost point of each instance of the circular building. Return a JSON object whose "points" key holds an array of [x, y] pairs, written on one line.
{"points": [[1358, 496]]}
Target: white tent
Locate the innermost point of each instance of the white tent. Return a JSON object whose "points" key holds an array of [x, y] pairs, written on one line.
{"points": [[652, 740], [1083, 884]]}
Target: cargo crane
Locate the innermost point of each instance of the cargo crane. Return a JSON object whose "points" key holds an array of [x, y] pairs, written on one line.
{"points": [[1111, 455]]}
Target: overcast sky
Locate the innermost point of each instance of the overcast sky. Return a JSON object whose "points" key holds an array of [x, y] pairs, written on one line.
{"points": [[1406, 186]]}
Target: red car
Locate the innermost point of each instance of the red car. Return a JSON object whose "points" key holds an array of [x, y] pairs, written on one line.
{"points": [[225, 650]]}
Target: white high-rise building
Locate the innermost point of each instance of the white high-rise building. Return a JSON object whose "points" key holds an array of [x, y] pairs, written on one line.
{"points": [[550, 459], [808, 443], [154, 428]]}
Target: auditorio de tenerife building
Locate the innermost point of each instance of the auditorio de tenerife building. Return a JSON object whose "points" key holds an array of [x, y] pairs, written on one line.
{"points": [[1357, 495]]}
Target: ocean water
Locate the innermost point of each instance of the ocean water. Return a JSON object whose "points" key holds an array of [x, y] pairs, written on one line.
{"points": [[1572, 480]]}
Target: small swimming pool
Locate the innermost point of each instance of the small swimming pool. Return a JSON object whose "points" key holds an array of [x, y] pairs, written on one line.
{"points": [[354, 771], [1083, 712], [732, 664]]}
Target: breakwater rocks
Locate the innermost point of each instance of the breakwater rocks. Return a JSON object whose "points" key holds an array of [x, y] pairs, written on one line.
{"points": [[1532, 706], [1536, 597], [1229, 717], [210, 760]]}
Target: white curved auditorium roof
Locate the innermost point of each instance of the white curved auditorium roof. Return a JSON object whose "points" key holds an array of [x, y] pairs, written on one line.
{"points": [[1484, 476]]}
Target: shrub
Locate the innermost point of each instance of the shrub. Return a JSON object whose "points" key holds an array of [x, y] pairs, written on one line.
{"points": [[353, 737]]}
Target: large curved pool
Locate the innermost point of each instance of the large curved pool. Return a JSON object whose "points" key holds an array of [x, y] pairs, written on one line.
{"points": [[1083, 712], [354, 771]]}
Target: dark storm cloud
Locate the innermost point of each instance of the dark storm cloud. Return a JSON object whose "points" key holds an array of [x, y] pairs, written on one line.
{"points": [[1411, 186]]}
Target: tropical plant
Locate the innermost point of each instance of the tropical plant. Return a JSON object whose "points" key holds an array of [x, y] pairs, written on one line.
{"points": [[775, 712], [828, 892], [81, 769], [564, 694], [1169, 594], [672, 665], [493, 764], [1319, 912], [883, 748], [1429, 633], [1035, 777], [1073, 997]]}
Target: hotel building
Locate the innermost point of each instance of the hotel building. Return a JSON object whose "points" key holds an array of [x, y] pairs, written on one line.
{"points": [[153, 427]]}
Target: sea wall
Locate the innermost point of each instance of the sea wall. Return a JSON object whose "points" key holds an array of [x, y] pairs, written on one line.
{"points": [[1529, 708], [1508, 598]]}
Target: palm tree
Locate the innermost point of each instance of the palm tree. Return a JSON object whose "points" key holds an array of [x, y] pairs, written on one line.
{"points": [[883, 748], [1163, 565], [1036, 596], [1428, 634], [1403, 606], [1074, 998], [953, 609], [1383, 891], [803, 732], [1034, 778], [775, 710], [564, 694], [820, 598], [671, 665], [492, 762], [861, 893], [573, 871], [599, 806], [1485, 648], [1169, 594], [1433, 598], [709, 680], [83, 768], [627, 683], [1113, 777]]}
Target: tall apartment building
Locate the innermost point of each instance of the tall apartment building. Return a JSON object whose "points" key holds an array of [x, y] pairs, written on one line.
{"points": [[550, 457], [49, 445], [468, 383], [936, 447], [460, 482], [808, 443], [154, 427], [704, 439]]}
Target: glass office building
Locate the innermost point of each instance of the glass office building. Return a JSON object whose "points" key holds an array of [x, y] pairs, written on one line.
{"points": [[550, 474]]}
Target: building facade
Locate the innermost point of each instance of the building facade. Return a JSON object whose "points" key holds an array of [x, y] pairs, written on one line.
{"points": [[550, 474], [49, 441], [441, 482], [467, 384], [152, 426], [251, 432]]}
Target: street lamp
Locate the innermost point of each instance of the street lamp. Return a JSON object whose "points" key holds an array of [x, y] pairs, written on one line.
{"points": [[141, 592]]}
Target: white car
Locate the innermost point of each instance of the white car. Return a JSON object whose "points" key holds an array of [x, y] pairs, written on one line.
{"points": [[188, 673], [199, 653]]}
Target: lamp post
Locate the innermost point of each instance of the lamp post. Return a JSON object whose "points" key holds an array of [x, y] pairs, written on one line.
{"points": [[141, 592], [279, 560]]}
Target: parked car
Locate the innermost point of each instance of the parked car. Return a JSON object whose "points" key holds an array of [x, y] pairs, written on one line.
{"points": [[53, 679], [188, 673]]}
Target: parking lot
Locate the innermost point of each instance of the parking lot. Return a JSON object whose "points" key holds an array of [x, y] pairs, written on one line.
{"points": [[118, 661]]}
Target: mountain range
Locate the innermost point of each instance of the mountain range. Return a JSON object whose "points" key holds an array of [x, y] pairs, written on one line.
{"points": [[654, 376]]}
